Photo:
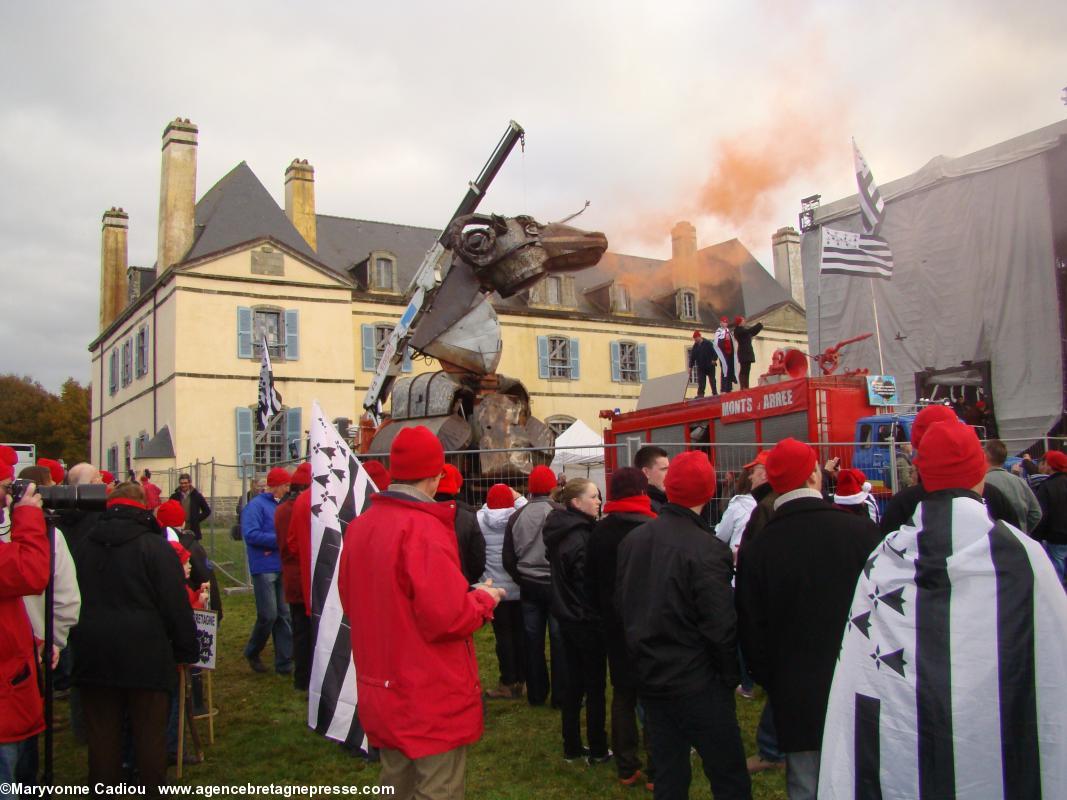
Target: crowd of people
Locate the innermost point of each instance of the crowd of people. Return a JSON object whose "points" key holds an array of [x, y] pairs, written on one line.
{"points": [[683, 603]]}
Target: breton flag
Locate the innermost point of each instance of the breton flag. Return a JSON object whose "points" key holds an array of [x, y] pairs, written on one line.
{"points": [[871, 205], [860, 254], [339, 491], [270, 402], [951, 680]]}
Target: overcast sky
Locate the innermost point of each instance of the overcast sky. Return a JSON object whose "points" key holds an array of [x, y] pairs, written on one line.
{"points": [[722, 113]]}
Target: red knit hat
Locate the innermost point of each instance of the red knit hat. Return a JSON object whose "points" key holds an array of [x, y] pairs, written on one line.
{"points": [[1056, 460], [55, 469], [789, 464], [542, 480], [852, 487], [170, 514], [452, 481], [8, 455], [690, 479], [927, 417], [301, 475], [278, 476], [500, 496], [416, 454], [738, 320], [378, 473], [724, 320], [696, 334], [106, 477], [950, 457]]}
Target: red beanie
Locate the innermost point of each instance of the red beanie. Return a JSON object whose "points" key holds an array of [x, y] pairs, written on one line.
{"points": [[690, 479], [500, 496], [1056, 460], [55, 469], [789, 464], [696, 334], [738, 320], [302, 475], [852, 487], [950, 457], [542, 480], [452, 481], [724, 320], [171, 514], [416, 454], [927, 417], [106, 477], [278, 476], [378, 473], [8, 455]]}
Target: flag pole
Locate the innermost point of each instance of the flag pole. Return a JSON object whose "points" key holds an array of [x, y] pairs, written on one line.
{"points": [[877, 330]]}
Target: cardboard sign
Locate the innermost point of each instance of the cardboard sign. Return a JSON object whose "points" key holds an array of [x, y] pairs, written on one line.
{"points": [[882, 390], [207, 628]]}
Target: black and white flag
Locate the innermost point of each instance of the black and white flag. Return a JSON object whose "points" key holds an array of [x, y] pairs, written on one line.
{"points": [[871, 206], [951, 679], [270, 402], [860, 254], [339, 490]]}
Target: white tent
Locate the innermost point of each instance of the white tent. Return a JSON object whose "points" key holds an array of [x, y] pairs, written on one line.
{"points": [[580, 453]]}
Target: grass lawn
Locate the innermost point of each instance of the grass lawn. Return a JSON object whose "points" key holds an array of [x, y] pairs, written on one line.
{"points": [[261, 734]]}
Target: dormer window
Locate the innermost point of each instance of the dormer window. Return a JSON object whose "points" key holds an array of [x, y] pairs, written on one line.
{"points": [[689, 305], [382, 272], [622, 299], [554, 290]]}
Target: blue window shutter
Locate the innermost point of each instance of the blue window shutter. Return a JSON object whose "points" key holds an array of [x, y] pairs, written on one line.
{"points": [[294, 431], [575, 371], [642, 362], [369, 361], [292, 334], [616, 369], [244, 332], [245, 445], [112, 372], [406, 366], [542, 356], [147, 346]]}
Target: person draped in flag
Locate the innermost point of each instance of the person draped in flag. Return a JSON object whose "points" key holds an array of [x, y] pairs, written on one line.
{"points": [[726, 350], [411, 618], [950, 679]]}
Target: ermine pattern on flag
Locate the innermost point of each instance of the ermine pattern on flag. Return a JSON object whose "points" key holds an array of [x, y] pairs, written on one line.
{"points": [[950, 679], [339, 491], [871, 205], [270, 402], [848, 253]]}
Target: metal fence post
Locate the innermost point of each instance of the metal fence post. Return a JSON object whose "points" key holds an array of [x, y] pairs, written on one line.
{"points": [[214, 509]]}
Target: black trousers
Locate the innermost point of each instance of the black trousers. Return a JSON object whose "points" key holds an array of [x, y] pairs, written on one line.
{"points": [[510, 645], [625, 738], [706, 720], [704, 375], [746, 369], [536, 602], [587, 667], [147, 710], [728, 376], [301, 646]]}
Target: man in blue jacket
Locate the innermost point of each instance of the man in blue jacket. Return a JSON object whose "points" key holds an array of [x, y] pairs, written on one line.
{"points": [[265, 566]]}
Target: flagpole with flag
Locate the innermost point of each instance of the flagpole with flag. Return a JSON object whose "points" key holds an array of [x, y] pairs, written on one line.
{"points": [[270, 402]]}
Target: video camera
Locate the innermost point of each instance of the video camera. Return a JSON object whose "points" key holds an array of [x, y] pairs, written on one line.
{"points": [[83, 497]]}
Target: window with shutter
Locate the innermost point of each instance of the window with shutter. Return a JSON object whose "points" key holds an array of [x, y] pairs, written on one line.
{"points": [[559, 357], [113, 372], [629, 364], [244, 332], [245, 449], [292, 334]]}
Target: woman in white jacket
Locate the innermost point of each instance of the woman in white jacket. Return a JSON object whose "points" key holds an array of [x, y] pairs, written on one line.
{"points": [[500, 504]]}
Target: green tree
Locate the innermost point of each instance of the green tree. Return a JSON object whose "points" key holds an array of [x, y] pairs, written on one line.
{"points": [[59, 426], [68, 419]]}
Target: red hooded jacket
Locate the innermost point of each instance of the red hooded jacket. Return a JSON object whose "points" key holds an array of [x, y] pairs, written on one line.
{"points": [[24, 567], [412, 618], [298, 545]]}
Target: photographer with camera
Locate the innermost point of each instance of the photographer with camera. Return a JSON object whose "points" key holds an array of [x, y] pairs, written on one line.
{"points": [[24, 570]]}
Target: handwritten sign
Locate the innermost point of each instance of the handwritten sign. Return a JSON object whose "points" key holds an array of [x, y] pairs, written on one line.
{"points": [[207, 628]]}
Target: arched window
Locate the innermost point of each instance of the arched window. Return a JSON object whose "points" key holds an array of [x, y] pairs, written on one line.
{"points": [[559, 423]]}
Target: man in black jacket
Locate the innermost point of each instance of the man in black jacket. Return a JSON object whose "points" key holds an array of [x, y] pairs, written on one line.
{"points": [[136, 626], [469, 536], [653, 462], [793, 594], [674, 601], [746, 356], [702, 356], [193, 503], [1052, 495]]}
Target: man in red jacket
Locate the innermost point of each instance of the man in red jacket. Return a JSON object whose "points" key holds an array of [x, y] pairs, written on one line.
{"points": [[412, 617], [24, 570]]}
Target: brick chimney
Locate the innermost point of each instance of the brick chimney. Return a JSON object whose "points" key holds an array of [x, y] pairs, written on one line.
{"points": [[177, 193], [787, 267], [300, 200], [684, 256], [114, 253]]}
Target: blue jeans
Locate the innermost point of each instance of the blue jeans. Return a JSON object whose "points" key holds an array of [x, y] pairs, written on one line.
{"points": [[272, 619], [767, 736], [18, 764], [1057, 553], [802, 775]]}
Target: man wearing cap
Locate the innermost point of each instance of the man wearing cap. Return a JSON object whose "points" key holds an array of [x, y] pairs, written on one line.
{"points": [[292, 578], [673, 597], [702, 356], [1052, 497], [950, 678], [524, 558], [746, 355], [902, 505], [726, 350], [412, 617], [793, 591], [265, 567]]}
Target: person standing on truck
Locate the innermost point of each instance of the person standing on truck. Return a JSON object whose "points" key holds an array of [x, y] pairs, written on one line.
{"points": [[726, 350], [746, 356], [702, 356]]}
